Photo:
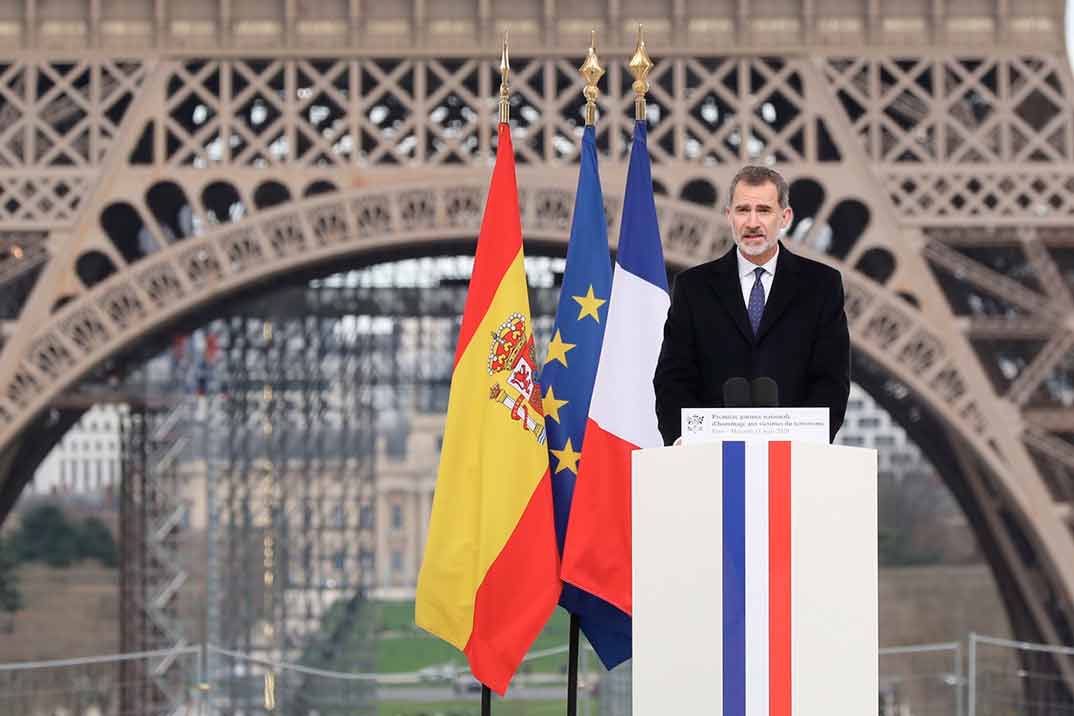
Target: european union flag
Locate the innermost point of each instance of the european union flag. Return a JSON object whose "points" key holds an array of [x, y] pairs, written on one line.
{"points": [[568, 375]]}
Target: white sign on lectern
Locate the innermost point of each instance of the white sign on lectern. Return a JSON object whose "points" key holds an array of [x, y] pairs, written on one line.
{"points": [[710, 425]]}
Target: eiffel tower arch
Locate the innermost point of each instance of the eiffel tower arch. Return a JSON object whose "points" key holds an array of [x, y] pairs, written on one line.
{"points": [[158, 158]]}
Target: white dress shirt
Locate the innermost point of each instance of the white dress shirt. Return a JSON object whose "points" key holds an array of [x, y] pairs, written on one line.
{"points": [[747, 277]]}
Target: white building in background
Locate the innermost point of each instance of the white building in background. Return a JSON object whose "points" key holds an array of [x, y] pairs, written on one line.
{"points": [[87, 460], [869, 425]]}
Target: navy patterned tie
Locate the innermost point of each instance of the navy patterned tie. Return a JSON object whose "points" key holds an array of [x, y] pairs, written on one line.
{"points": [[756, 307]]}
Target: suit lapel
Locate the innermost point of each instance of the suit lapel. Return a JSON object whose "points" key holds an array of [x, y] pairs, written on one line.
{"points": [[729, 289], [784, 287]]}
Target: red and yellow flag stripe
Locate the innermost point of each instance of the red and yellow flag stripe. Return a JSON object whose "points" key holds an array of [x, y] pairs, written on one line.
{"points": [[489, 579]]}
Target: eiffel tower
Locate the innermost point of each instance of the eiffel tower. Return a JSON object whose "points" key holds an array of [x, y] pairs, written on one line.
{"points": [[157, 157]]}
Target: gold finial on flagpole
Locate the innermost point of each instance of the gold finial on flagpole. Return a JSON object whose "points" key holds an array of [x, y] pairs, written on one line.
{"points": [[592, 72], [505, 93], [640, 65], [270, 691]]}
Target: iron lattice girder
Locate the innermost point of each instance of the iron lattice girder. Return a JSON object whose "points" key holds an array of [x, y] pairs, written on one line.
{"points": [[333, 227]]}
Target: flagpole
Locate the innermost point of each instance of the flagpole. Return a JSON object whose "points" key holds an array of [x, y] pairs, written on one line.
{"points": [[572, 668], [505, 118], [591, 72]]}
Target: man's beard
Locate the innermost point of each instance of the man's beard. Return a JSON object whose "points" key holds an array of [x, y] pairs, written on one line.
{"points": [[755, 249]]}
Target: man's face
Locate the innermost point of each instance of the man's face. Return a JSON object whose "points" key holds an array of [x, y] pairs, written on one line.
{"points": [[756, 220]]}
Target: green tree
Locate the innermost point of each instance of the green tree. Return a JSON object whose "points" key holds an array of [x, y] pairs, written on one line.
{"points": [[96, 542], [10, 596], [46, 536]]}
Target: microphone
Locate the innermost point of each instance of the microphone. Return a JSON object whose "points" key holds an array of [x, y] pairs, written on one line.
{"points": [[764, 393], [736, 393]]}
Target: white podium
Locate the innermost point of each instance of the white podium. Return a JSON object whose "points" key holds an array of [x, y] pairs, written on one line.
{"points": [[755, 580]]}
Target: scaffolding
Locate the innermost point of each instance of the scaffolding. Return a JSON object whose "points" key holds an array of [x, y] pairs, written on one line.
{"points": [[280, 408], [152, 575]]}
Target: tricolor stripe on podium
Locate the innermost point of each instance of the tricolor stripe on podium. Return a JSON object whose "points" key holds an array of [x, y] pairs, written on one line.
{"points": [[757, 579]]}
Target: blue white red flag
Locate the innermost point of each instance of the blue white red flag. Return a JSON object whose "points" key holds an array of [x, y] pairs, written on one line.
{"points": [[622, 414]]}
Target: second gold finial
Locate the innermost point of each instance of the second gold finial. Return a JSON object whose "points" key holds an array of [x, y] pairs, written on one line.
{"points": [[592, 72], [640, 65]]}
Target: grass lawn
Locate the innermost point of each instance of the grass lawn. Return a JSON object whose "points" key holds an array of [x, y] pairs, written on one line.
{"points": [[67, 613], [402, 646], [471, 708]]}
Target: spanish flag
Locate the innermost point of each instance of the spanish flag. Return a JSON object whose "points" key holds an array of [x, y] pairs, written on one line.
{"points": [[490, 576]]}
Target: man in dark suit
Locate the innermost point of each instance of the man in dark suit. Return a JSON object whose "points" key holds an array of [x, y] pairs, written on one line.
{"points": [[759, 310]]}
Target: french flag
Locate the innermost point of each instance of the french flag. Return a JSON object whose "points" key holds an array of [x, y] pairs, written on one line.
{"points": [[782, 621], [622, 414]]}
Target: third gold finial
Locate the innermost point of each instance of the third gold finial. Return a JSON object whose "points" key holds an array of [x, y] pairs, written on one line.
{"points": [[640, 65]]}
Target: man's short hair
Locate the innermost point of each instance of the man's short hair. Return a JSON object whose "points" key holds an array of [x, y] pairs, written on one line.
{"points": [[754, 175]]}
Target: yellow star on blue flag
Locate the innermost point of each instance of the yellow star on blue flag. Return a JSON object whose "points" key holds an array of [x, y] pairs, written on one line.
{"points": [[587, 286], [590, 305]]}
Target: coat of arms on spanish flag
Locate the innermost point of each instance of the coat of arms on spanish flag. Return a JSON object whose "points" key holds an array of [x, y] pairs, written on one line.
{"points": [[490, 576]]}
